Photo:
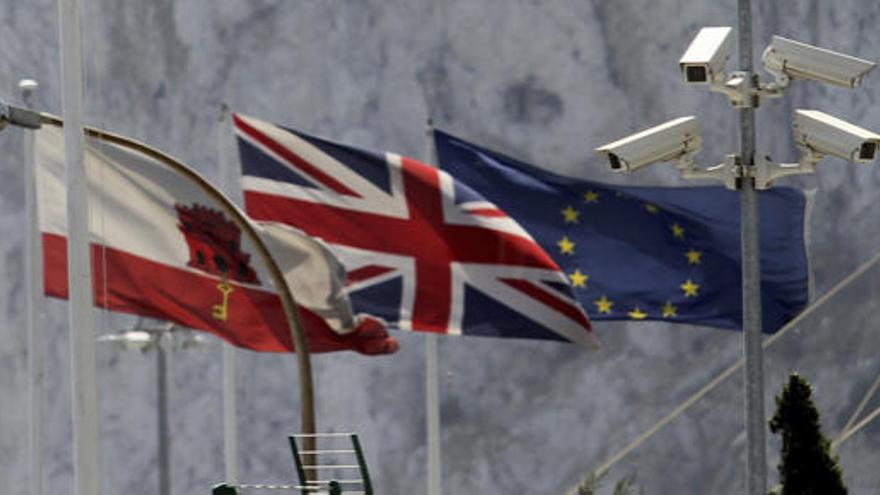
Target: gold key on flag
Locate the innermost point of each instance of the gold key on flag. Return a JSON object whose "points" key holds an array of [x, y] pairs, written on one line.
{"points": [[221, 311]]}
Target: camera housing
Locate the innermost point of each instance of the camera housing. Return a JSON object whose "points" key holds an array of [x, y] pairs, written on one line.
{"points": [[676, 140], [787, 58], [824, 134], [704, 60]]}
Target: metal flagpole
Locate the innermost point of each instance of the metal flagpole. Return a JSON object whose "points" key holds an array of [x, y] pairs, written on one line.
{"points": [[432, 375], [33, 261], [84, 389], [432, 392], [162, 420], [163, 339], [756, 464], [230, 413]]}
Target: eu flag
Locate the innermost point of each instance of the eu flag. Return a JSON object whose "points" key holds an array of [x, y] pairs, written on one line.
{"points": [[646, 253]]}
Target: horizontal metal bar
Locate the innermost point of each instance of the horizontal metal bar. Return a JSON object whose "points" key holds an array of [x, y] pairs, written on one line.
{"points": [[347, 482], [340, 466], [326, 452], [318, 435], [263, 486]]}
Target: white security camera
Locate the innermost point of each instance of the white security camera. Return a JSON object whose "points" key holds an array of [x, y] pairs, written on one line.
{"points": [[787, 58], [677, 140], [704, 60], [823, 134]]}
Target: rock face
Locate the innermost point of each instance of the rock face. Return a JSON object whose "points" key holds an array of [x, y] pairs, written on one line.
{"points": [[544, 81]]}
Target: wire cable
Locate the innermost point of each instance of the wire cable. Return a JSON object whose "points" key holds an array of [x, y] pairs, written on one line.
{"points": [[690, 401]]}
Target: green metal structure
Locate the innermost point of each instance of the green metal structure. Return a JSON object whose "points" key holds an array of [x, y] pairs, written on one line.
{"points": [[313, 467]]}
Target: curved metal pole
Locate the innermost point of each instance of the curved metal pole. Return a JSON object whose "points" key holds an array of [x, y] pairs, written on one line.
{"points": [[306, 393]]}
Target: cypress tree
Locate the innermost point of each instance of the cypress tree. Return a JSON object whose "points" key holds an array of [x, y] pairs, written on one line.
{"points": [[807, 466]]}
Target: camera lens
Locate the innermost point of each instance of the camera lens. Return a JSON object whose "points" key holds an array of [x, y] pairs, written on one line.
{"points": [[696, 74], [866, 152], [615, 162]]}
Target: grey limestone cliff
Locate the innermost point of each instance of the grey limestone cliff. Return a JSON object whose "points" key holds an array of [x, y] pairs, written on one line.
{"points": [[545, 81]]}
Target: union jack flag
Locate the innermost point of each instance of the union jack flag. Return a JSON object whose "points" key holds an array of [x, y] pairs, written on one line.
{"points": [[421, 250]]}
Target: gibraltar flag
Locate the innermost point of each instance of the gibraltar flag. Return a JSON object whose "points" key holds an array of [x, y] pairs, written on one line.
{"points": [[163, 246]]}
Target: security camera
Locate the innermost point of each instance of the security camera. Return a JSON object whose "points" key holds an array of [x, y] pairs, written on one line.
{"points": [[704, 60], [787, 58], [677, 140], [823, 134]]}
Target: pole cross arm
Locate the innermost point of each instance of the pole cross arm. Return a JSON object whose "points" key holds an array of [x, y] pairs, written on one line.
{"points": [[730, 172], [741, 94], [766, 171]]}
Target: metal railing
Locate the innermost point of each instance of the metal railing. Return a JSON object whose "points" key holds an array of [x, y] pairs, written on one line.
{"points": [[315, 466]]}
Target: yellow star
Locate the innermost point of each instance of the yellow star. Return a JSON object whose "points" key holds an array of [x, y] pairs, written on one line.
{"points": [[570, 215], [690, 288], [669, 311], [565, 245], [693, 256], [677, 230], [637, 314], [579, 279], [603, 305], [652, 209], [591, 197]]}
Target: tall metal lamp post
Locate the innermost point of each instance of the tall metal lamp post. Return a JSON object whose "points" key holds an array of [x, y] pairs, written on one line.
{"points": [[816, 135], [159, 339]]}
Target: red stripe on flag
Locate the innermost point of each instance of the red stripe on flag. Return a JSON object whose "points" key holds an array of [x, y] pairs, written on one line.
{"points": [[549, 299], [366, 272], [487, 212], [284, 152], [132, 284]]}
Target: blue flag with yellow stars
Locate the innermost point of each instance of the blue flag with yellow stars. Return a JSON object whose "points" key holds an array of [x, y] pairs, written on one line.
{"points": [[646, 253]]}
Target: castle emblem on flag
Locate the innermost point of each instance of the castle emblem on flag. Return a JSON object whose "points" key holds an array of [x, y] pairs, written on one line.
{"points": [[215, 247], [214, 243]]}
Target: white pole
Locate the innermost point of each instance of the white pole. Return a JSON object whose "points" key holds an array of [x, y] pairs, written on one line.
{"points": [[432, 378], [84, 389], [432, 392], [228, 181], [33, 261]]}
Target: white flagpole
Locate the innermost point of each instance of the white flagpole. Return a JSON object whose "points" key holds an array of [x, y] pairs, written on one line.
{"points": [[432, 392], [432, 376], [84, 389], [227, 182], [33, 261]]}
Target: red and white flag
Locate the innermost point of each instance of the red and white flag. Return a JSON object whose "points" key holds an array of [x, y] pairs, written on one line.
{"points": [[163, 247]]}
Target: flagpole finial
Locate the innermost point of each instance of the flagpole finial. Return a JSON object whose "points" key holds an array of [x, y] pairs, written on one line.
{"points": [[222, 111]]}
